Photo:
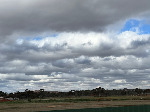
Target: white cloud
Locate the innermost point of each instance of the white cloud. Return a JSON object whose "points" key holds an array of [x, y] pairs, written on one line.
{"points": [[72, 59], [120, 81]]}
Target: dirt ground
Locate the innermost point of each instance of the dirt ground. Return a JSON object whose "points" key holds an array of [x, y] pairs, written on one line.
{"points": [[33, 107]]}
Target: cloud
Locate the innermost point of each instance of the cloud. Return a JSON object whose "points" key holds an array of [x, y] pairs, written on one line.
{"points": [[28, 17], [54, 44], [98, 59]]}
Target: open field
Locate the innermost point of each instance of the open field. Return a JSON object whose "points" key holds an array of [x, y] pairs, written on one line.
{"points": [[72, 103]]}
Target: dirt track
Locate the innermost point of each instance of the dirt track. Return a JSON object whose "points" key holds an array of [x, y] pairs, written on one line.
{"points": [[32, 107]]}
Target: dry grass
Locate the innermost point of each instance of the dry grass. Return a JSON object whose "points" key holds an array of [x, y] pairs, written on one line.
{"points": [[33, 107]]}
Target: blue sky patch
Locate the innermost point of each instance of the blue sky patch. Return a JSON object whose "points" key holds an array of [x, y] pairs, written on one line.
{"points": [[40, 37], [139, 26]]}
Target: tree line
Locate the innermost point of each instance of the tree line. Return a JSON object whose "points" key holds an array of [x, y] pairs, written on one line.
{"points": [[98, 92]]}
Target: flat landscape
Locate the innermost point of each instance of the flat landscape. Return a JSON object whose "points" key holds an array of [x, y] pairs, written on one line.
{"points": [[72, 103], [59, 55]]}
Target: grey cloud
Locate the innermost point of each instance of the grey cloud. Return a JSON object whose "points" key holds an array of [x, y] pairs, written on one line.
{"points": [[83, 60], [65, 15], [20, 77], [140, 43], [63, 63]]}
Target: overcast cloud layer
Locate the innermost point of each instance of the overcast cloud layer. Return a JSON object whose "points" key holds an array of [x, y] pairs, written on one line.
{"points": [[72, 44]]}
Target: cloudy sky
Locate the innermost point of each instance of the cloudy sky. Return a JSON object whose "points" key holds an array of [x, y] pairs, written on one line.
{"points": [[59, 45]]}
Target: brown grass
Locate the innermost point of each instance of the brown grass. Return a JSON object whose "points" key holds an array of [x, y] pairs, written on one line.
{"points": [[33, 107]]}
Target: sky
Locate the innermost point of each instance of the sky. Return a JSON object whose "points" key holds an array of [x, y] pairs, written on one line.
{"points": [[60, 45]]}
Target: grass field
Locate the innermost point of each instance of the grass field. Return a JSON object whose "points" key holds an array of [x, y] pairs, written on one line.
{"points": [[50, 104]]}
